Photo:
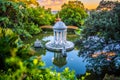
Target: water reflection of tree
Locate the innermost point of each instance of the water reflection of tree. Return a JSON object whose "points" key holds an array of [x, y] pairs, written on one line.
{"points": [[102, 58], [59, 60], [40, 51]]}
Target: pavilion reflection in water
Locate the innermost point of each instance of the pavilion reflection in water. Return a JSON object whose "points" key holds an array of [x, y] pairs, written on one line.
{"points": [[59, 60]]}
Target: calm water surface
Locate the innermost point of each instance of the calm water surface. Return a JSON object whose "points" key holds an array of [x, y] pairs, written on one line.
{"points": [[58, 62], [72, 61]]}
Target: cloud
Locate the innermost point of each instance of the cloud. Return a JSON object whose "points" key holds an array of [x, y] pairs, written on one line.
{"points": [[56, 4]]}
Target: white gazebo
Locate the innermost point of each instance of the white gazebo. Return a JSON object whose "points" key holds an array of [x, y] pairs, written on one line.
{"points": [[60, 31], [59, 43]]}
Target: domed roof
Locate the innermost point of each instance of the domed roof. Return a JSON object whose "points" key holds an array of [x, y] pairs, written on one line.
{"points": [[59, 25]]}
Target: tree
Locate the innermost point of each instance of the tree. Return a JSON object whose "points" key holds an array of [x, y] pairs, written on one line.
{"points": [[15, 16], [40, 16], [116, 10], [103, 24], [73, 13], [22, 19]]}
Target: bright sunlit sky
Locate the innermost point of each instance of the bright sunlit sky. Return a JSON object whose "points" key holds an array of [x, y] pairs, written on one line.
{"points": [[90, 4], [56, 4]]}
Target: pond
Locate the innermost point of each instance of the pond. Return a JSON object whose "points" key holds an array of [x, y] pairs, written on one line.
{"points": [[55, 60], [92, 55], [79, 58]]}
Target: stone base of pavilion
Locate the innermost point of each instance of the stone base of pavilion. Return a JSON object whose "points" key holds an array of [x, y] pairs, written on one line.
{"points": [[58, 48]]}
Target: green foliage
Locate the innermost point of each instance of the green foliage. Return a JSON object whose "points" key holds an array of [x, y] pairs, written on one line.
{"points": [[11, 46], [16, 63], [102, 30], [78, 31], [104, 24], [33, 29], [73, 13], [85, 76], [40, 16], [22, 19], [13, 16], [116, 10], [68, 74]]}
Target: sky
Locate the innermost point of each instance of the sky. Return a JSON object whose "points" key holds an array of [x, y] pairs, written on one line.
{"points": [[90, 4]]}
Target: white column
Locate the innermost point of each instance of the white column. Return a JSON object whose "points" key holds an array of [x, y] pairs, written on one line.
{"points": [[65, 35], [55, 36], [62, 36], [59, 38]]}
